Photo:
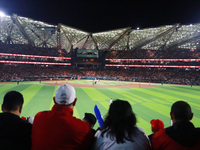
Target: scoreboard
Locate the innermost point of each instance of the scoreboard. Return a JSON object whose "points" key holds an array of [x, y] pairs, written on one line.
{"points": [[87, 53], [88, 58]]}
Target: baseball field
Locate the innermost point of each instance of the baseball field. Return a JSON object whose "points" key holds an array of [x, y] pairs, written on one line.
{"points": [[149, 101]]}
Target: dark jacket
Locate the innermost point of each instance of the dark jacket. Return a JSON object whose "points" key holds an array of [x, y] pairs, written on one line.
{"points": [[15, 133], [181, 136]]}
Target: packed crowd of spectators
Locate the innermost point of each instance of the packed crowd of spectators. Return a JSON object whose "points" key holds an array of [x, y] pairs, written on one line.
{"points": [[173, 76], [59, 129], [12, 72], [32, 59], [154, 54], [30, 50], [45, 72], [23, 72]]}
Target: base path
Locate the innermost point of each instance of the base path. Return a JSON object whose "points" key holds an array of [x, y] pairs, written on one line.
{"points": [[133, 85]]}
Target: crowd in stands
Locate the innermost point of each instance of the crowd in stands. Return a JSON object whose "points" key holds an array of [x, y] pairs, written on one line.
{"points": [[154, 54], [175, 76], [30, 50], [59, 129], [12, 73], [45, 72], [21, 72], [32, 59]]}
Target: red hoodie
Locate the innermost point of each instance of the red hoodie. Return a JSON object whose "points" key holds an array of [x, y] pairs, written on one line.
{"points": [[58, 129], [181, 136]]}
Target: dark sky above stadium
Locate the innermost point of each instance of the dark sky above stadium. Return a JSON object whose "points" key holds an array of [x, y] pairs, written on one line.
{"points": [[103, 15]]}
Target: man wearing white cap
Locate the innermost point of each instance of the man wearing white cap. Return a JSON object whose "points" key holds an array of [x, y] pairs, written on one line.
{"points": [[58, 129]]}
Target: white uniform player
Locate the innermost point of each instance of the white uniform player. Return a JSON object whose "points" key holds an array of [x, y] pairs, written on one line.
{"points": [[111, 101]]}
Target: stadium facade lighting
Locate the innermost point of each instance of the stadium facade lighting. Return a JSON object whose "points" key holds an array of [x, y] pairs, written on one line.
{"points": [[187, 60], [151, 66], [22, 55], [38, 63]]}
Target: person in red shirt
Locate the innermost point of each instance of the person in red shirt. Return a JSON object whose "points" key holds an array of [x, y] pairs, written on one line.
{"points": [[182, 135], [57, 128]]}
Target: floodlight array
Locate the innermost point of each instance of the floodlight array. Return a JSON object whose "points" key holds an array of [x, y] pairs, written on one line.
{"points": [[70, 36], [21, 30]]}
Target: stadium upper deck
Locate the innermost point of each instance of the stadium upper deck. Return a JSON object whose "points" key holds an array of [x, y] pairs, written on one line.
{"points": [[20, 30]]}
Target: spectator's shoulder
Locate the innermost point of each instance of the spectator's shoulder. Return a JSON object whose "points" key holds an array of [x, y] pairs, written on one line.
{"points": [[80, 123], [159, 137], [42, 113], [197, 129], [139, 129], [159, 133]]}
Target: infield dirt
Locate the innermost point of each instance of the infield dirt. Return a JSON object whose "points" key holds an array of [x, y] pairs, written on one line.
{"points": [[105, 86]]}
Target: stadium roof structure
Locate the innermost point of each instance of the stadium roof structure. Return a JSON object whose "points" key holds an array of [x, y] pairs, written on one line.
{"points": [[21, 30]]}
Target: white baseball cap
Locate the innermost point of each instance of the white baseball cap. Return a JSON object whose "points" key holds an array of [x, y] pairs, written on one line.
{"points": [[65, 94]]}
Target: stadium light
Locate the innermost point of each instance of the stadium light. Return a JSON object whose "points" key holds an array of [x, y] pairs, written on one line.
{"points": [[138, 28], [2, 14]]}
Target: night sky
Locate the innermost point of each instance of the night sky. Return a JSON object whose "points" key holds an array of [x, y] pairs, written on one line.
{"points": [[96, 16]]}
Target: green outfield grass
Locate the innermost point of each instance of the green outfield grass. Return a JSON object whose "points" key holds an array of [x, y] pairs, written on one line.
{"points": [[147, 103]]}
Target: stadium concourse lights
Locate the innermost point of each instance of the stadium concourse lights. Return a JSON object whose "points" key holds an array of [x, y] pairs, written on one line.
{"points": [[2, 14]]}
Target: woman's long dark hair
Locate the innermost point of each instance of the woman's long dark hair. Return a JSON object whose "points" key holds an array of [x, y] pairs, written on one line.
{"points": [[120, 121]]}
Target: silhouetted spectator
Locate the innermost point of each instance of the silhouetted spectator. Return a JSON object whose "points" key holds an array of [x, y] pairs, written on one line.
{"points": [[15, 133], [182, 135], [91, 119]]}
